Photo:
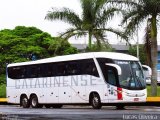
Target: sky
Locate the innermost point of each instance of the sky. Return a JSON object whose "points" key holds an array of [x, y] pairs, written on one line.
{"points": [[32, 13]]}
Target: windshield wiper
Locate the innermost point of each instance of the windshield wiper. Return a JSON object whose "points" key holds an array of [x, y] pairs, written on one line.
{"points": [[139, 81]]}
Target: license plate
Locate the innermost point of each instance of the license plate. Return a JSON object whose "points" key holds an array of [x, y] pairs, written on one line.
{"points": [[136, 99]]}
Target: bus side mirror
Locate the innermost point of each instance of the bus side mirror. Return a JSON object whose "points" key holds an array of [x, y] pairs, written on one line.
{"points": [[118, 68], [147, 73], [147, 70]]}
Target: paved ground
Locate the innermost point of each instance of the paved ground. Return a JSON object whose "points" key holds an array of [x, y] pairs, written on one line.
{"points": [[79, 113]]}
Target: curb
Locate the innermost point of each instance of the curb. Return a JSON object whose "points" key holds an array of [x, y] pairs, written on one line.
{"points": [[153, 99], [3, 101]]}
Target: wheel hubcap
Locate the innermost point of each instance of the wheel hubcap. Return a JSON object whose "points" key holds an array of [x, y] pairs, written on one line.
{"points": [[34, 101], [95, 101], [24, 101]]}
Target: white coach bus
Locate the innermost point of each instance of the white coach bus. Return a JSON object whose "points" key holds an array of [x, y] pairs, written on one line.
{"points": [[98, 78]]}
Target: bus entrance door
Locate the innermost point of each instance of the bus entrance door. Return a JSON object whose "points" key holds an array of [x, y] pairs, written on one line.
{"points": [[112, 80]]}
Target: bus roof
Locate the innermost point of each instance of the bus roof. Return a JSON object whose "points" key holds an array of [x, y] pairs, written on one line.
{"points": [[111, 55]]}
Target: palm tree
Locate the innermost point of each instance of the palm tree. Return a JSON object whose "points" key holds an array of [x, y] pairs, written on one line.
{"points": [[136, 13], [92, 21], [147, 42]]}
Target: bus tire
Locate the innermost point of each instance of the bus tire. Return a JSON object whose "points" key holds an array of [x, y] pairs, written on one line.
{"points": [[24, 101], [57, 106], [95, 101], [34, 102]]}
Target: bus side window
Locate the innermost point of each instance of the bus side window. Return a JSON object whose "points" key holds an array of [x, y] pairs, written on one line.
{"points": [[12, 73], [45, 70], [90, 68], [17, 72], [94, 71], [72, 69], [32, 71], [61, 69], [51, 69], [111, 76], [39, 72], [23, 72], [42, 70]]}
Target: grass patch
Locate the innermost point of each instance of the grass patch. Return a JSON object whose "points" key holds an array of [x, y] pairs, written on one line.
{"points": [[3, 91], [149, 90]]}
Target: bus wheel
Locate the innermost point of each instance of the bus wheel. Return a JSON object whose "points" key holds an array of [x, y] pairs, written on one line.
{"points": [[57, 106], [34, 102], [95, 101], [48, 106], [24, 101]]}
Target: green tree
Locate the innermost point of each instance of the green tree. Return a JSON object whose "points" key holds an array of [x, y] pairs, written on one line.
{"points": [[22, 43], [61, 47], [137, 11], [24, 32], [92, 22], [104, 48], [133, 51]]}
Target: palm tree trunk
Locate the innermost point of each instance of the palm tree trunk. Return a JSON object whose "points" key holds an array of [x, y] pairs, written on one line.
{"points": [[154, 56], [99, 44], [90, 40], [147, 45]]}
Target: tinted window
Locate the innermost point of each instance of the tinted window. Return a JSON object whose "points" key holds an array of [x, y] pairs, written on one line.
{"points": [[110, 73], [61, 69], [72, 68], [90, 68], [51, 69], [112, 77], [17, 72], [76, 67], [32, 71]]}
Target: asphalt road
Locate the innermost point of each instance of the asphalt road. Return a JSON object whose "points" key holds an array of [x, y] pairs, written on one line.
{"points": [[10, 112]]}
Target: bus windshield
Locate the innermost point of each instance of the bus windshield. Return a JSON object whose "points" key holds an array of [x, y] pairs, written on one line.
{"points": [[132, 75]]}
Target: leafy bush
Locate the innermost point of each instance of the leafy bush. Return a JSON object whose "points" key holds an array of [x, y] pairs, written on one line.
{"points": [[2, 79], [3, 91]]}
